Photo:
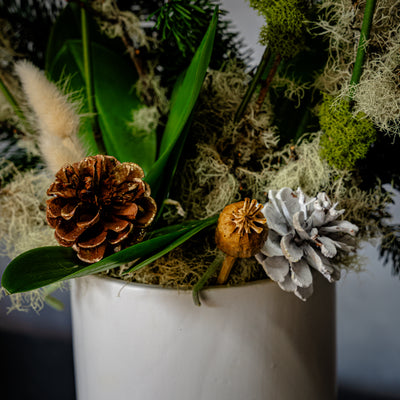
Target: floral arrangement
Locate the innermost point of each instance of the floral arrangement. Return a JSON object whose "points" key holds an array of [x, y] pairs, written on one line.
{"points": [[139, 145]]}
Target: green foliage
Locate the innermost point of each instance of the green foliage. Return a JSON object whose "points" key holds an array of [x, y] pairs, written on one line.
{"points": [[115, 97], [183, 22], [113, 82], [285, 25], [347, 138], [47, 265], [184, 97], [181, 25]]}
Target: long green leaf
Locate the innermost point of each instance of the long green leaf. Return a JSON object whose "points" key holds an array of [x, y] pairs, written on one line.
{"points": [[45, 265], [185, 94], [182, 239]]}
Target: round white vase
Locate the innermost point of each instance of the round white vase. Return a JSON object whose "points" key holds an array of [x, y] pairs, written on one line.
{"points": [[253, 342]]}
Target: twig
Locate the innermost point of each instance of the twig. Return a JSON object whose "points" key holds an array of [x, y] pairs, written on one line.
{"points": [[253, 84], [267, 82]]}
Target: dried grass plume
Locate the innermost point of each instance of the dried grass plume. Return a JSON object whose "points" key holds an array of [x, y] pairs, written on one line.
{"points": [[55, 117]]}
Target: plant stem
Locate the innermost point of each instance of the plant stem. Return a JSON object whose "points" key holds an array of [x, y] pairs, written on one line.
{"points": [[206, 276], [267, 82], [50, 300], [362, 46], [226, 269], [9, 97], [253, 84], [87, 65]]}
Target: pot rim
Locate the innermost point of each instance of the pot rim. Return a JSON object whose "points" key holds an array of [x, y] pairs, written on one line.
{"points": [[145, 286]]}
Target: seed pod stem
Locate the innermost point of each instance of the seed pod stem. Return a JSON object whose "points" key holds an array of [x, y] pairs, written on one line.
{"points": [[226, 269]]}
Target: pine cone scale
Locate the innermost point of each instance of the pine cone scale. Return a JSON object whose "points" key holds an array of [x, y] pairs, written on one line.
{"points": [[68, 231], [54, 206], [120, 236], [86, 220], [116, 224], [129, 210], [68, 211], [92, 255], [147, 211], [94, 241]]}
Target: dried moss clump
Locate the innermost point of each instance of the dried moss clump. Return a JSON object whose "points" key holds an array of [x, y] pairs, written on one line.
{"points": [[23, 224], [378, 94], [23, 211], [303, 167], [224, 161], [347, 137], [285, 25]]}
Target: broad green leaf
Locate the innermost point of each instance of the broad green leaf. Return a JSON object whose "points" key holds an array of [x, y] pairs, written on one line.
{"points": [[45, 265], [115, 98], [184, 97]]}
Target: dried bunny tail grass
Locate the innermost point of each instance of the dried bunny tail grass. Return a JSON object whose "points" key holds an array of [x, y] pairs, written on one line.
{"points": [[23, 212], [55, 116]]}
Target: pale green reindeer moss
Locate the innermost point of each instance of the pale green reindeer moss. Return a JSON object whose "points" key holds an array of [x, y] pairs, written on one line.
{"points": [[347, 137], [284, 28]]}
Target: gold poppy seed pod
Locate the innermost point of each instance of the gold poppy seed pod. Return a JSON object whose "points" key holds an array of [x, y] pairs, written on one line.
{"points": [[241, 231]]}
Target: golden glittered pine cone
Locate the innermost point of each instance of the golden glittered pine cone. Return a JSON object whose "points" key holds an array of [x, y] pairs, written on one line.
{"points": [[99, 206]]}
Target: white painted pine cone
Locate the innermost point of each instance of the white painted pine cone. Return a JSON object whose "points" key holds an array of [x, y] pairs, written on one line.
{"points": [[304, 235]]}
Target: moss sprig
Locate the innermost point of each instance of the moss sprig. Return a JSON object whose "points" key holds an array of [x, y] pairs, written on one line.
{"points": [[285, 25], [347, 137]]}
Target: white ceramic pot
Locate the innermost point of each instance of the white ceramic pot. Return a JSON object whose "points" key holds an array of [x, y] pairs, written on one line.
{"points": [[255, 341]]}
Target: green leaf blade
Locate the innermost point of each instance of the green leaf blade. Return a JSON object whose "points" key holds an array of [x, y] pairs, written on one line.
{"points": [[183, 100], [176, 243]]}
